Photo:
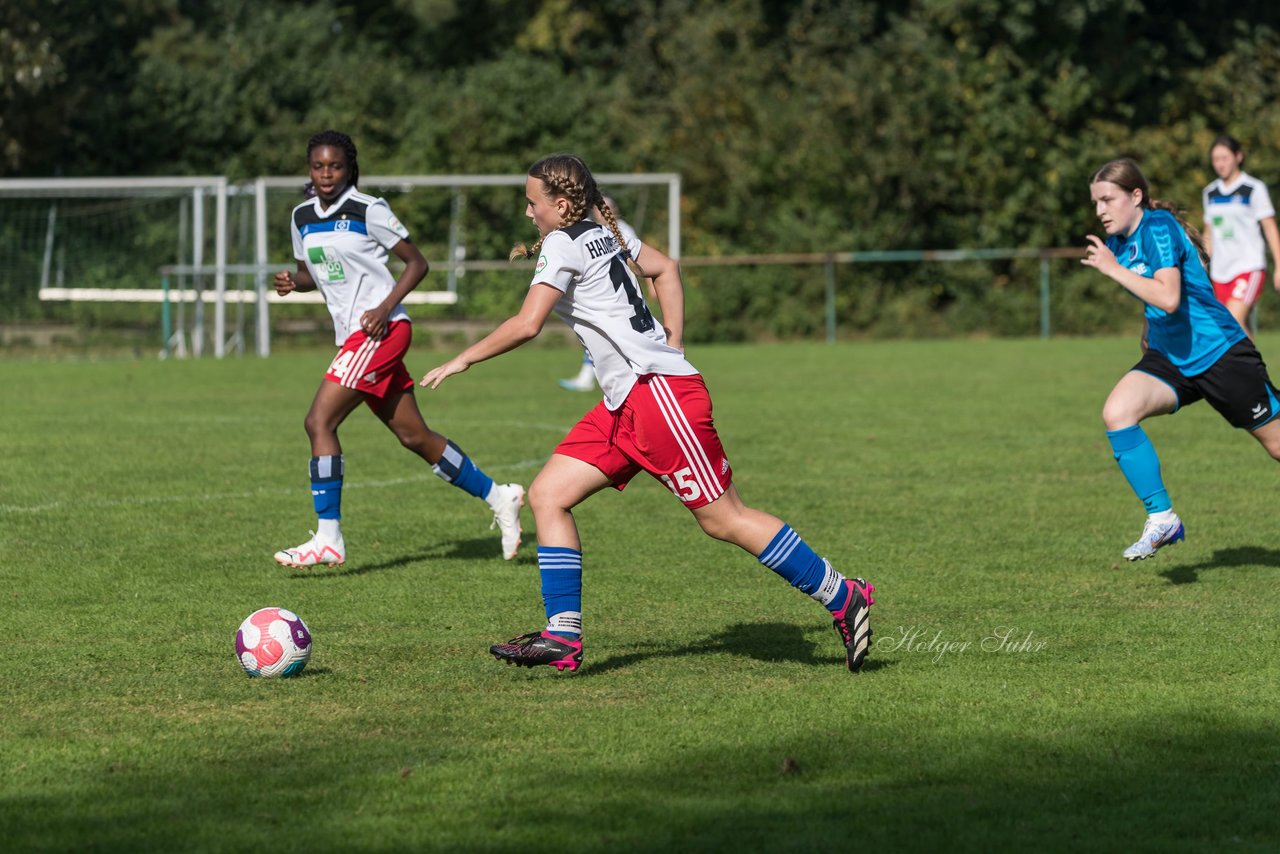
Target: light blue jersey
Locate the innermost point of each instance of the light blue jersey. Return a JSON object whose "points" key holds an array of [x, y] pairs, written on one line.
{"points": [[1201, 330]]}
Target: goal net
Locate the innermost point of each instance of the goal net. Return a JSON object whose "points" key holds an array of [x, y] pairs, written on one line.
{"points": [[201, 250]]}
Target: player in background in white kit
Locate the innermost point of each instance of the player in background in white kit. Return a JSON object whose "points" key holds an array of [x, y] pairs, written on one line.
{"points": [[1236, 204], [586, 378], [655, 416], [340, 239]]}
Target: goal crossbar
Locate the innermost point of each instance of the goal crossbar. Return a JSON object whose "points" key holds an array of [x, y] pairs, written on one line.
{"points": [[205, 280]]}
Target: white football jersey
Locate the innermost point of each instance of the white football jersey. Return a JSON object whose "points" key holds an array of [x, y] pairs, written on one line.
{"points": [[606, 309], [345, 250], [1232, 215]]}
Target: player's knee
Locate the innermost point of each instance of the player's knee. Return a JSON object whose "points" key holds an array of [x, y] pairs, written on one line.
{"points": [[1117, 415], [719, 527], [316, 425], [411, 441], [543, 499]]}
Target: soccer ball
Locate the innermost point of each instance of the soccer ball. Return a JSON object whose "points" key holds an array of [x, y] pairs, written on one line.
{"points": [[273, 642]]}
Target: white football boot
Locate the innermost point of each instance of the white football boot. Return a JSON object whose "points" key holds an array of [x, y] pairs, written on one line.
{"points": [[584, 381], [506, 500], [1156, 535], [316, 551]]}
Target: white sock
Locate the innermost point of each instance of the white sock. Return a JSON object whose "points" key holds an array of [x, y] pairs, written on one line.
{"points": [[496, 496], [1164, 517], [328, 529]]}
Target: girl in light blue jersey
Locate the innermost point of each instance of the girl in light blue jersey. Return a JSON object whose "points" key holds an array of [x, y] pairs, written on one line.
{"points": [[1192, 346]]}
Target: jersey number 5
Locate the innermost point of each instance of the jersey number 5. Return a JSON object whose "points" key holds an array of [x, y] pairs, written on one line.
{"points": [[684, 486], [642, 318]]}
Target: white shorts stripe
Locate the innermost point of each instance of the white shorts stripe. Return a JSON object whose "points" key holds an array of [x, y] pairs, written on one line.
{"points": [[697, 454], [679, 426], [1252, 288], [686, 438], [363, 356]]}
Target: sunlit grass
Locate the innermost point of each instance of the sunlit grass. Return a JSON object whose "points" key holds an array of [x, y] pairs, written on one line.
{"points": [[1027, 687]]}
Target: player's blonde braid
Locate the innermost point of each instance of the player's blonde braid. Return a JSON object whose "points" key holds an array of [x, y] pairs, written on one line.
{"points": [[611, 220], [564, 175]]}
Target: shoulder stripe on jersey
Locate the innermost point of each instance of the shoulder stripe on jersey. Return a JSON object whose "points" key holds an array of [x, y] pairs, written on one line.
{"points": [[352, 209], [1242, 194], [703, 472], [357, 226], [579, 228]]}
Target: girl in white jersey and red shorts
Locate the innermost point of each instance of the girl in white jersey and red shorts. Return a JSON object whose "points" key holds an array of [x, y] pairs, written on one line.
{"points": [[655, 416], [1238, 216], [340, 239]]}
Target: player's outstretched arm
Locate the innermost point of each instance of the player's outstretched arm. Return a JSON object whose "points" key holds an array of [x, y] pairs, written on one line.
{"points": [[510, 334]]}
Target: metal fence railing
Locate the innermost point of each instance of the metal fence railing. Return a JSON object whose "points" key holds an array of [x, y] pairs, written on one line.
{"points": [[829, 261]]}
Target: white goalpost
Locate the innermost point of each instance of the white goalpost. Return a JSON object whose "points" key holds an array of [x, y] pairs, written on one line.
{"points": [[177, 241]]}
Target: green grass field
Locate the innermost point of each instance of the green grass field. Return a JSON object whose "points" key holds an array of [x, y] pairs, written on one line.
{"points": [[1027, 689]]}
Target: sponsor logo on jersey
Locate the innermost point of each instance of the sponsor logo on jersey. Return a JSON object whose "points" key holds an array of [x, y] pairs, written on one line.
{"points": [[542, 264], [371, 377], [396, 226], [327, 262]]}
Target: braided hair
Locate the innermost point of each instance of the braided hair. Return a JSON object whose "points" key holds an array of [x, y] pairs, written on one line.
{"points": [[567, 175], [337, 139]]}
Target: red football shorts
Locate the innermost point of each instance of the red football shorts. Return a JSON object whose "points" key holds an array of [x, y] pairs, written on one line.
{"points": [[374, 366], [1246, 288], [664, 428]]}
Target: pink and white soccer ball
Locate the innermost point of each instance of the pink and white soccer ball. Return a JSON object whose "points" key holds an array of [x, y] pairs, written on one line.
{"points": [[273, 642]]}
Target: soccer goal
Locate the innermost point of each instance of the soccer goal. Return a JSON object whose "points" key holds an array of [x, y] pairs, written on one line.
{"points": [[202, 245], [464, 224], [102, 239]]}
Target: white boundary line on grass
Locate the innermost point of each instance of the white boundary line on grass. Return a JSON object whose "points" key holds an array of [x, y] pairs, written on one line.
{"points": [[230, 496]]}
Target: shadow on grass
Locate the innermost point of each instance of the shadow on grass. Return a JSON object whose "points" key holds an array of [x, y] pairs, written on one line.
{"points": [[1146, 782], [1224, 559], [770, 642], [477, 548]]}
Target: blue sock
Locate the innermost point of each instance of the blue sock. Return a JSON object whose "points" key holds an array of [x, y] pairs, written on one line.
{"points": [[455, 467], [791, 557], [561, 570], [1137, 458], [326, 486]]}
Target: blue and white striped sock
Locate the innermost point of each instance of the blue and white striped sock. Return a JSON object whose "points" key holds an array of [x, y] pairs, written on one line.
{"points": [[561, 570], [456, 468], [326, 492], [790, 556]]}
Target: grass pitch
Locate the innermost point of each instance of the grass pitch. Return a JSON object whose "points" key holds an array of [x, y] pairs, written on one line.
{"points": [[1026, 689]]}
